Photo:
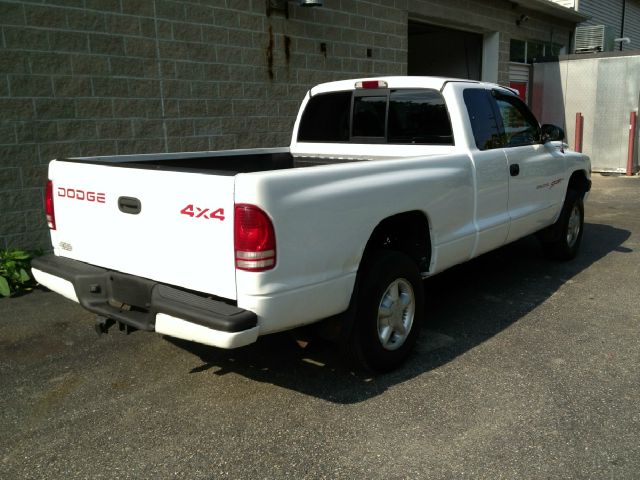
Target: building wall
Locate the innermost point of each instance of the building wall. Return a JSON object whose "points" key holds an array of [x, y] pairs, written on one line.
{"points": [[610, 13], [607, 12], [632, 25], [93, 77], [98, 76]]}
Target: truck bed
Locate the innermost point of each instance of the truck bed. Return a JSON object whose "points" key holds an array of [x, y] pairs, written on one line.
{"points": [[228, 163]]}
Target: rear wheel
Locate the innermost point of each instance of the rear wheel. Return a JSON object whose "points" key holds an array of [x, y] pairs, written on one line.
{"points": [[562, 240], [388, 312]]}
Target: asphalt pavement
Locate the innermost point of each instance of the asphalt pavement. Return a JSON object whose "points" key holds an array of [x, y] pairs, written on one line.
{"points": [[528, 369]]}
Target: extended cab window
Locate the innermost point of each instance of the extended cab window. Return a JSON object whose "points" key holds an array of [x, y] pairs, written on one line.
{"points": [[520, 126], [403, 116], [483, 119], [326, 118]]}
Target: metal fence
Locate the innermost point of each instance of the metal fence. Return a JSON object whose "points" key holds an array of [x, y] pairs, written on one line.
{"points": [[605, 90]]}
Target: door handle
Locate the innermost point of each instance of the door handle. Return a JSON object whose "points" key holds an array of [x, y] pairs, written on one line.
{"points": [[129, 205], [514, 169]]}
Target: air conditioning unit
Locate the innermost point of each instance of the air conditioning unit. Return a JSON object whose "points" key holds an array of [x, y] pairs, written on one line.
{"points": [[594, 38]]}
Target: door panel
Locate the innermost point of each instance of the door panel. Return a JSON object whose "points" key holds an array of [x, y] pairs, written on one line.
{"points": [[492, 214], [536, 174], [491, 171], [535, 192]]}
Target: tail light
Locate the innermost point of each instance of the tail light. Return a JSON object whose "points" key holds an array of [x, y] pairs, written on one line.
{"points": [[48, 205], [254, 239]]}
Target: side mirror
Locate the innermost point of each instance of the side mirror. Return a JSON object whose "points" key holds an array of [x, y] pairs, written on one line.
{"points": [[551, 133]]}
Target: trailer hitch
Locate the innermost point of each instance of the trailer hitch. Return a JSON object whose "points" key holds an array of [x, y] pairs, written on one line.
{"points": [[103, 324]]}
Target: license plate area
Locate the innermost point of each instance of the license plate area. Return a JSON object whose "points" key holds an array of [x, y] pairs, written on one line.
{"points": [[130, 291], [120, 297]]}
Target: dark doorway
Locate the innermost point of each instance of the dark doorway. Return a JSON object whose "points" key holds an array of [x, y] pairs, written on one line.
{"points": [[445, 52]]}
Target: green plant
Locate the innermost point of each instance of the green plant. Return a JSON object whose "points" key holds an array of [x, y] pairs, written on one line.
{"points": [[14, 272]]}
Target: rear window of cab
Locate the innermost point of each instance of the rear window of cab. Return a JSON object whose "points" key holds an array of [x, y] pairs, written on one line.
{"points": [[402, 116]]}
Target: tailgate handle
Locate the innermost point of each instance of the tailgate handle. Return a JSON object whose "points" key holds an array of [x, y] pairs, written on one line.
{"points": [[129, 205]]}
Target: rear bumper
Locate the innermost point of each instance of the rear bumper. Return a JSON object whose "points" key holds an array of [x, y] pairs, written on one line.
{"points": [[147, 305]]}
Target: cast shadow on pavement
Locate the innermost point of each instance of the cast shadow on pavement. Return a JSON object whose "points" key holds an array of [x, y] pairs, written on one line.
{"points": [[466, 305]]}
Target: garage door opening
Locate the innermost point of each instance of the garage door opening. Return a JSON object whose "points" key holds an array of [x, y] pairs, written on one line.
{"points": [[445, 52]]}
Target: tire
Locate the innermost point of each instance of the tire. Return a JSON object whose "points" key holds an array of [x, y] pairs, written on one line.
{"points": [[388, 312], [562, 240]]}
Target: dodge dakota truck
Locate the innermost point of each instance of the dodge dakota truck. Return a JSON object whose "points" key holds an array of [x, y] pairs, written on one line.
{"points": [[386, 181]]}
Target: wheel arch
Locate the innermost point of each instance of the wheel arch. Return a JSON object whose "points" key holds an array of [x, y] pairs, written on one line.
{"points": [[579, 181], [407, 232]]}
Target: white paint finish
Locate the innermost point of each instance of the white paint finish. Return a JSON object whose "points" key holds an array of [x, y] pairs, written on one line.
{"points": [[296, 306], [491, 179], [159, 243], [55, 284], [534, 196], [359, 151], [323, 217], [492, 198], [179, 328], [435, 83]]}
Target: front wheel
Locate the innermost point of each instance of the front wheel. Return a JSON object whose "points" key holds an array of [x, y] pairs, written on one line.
{"points": [[562, 240], [388, 314]]}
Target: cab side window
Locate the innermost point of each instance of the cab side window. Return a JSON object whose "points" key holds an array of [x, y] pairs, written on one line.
{"points": [[483, 119], [520, 126], [419, 117]]}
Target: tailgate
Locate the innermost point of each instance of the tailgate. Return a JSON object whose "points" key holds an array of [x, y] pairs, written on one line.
{"points": [[182, 234]]}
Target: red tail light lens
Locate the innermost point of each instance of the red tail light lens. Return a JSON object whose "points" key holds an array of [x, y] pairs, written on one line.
{"points": [[48, 205], [254, 239]]}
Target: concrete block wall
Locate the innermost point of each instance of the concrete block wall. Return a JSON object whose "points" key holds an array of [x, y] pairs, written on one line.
{"points": [[102, 77]]}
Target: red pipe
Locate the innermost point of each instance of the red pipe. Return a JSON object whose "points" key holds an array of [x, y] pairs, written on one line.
{"points": [[633, 118], [578, 140]]}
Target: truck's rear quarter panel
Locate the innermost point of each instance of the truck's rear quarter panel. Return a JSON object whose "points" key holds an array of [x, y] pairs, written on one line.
{"points": [[324, 216]]}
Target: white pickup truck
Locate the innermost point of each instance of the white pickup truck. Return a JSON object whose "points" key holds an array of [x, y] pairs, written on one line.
{"points": [[387, 181]]}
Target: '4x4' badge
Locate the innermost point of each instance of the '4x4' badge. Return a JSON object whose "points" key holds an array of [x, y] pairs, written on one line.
{"points": [[206, 213]]}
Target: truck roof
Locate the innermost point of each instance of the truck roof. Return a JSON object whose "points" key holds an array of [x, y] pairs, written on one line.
{"points": [[436, 83], [392, 82]]}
